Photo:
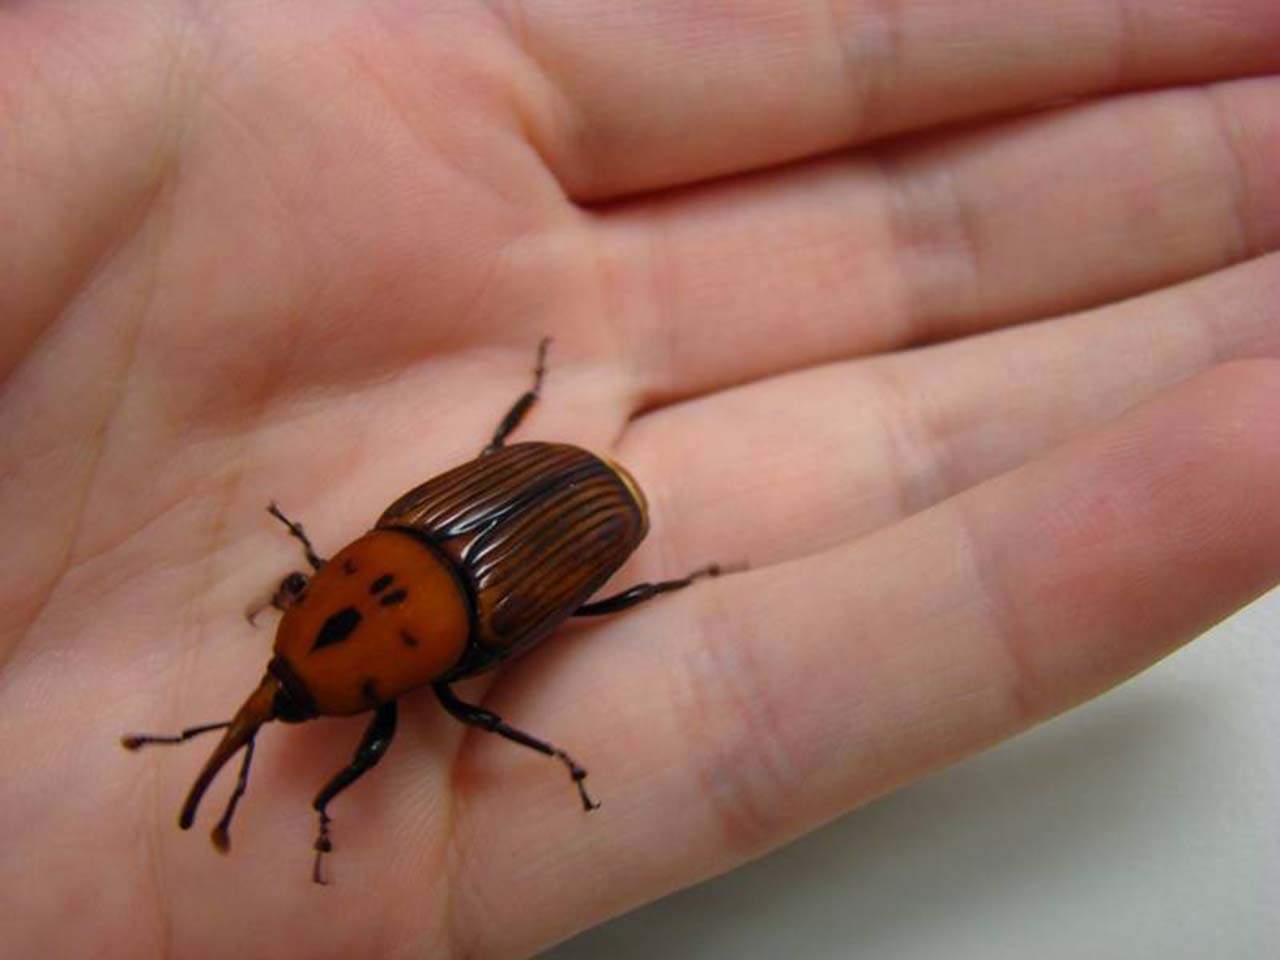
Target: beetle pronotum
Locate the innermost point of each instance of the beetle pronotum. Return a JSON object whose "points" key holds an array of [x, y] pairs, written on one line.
{"points": [[462, 572]]}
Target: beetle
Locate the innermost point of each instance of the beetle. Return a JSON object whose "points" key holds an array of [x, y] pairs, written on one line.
{"points": [[462, 573]]}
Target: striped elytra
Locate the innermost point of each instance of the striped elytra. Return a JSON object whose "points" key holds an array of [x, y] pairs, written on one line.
{"points": [[462, 572], [534, 530]]}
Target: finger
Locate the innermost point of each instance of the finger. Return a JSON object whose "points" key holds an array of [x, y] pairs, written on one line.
{"points": [[642, 96], [821, 456], [762, 705], [1028, 219]]}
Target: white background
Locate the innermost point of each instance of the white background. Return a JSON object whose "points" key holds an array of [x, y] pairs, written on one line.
{"points": [[1145, 824]]}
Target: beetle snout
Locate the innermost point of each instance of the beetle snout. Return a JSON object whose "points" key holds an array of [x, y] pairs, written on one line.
{"points": [[257, 710]]}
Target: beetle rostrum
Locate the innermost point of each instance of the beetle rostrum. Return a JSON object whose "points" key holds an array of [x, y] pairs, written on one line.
{"points": [[461, 573]]}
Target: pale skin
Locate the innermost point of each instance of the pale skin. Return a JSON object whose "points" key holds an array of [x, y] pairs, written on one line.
{"points": [[304, 252]]}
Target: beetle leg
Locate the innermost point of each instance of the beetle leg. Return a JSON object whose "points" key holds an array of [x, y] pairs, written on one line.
{"points": [[291, 588], [642, 592], [377, 738], [521, 406], [296, 531], [475, 716]]}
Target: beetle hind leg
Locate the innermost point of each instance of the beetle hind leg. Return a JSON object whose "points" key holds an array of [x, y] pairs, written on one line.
{"points": [[475, 716], [373, 745]]}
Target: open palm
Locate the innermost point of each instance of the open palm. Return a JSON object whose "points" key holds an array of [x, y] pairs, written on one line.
{"points": [[304, 252]]}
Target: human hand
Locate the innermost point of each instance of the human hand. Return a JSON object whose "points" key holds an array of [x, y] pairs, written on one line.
{"points": [[303, 252]]}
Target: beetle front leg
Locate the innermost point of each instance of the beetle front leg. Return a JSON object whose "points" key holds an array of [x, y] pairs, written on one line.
{"points": [[296, 531], [286, 595], [294, 584], [642, 592], [475, 716], [373, 745]]}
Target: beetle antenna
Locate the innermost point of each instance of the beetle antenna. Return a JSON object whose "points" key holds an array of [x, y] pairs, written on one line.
{"points": [[136, 741], [221, 838]]}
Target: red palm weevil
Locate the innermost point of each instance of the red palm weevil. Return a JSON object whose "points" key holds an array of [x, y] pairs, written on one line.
{"points": [[461, 573]]}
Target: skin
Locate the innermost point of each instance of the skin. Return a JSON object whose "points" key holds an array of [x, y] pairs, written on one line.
{"points": [[304, 251]]}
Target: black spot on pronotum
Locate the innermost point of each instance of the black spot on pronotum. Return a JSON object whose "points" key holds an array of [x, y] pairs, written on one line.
{"points": [[394, 597], [369, 690], [409, 639], [381, 583], [337, 628], [349, 566]]}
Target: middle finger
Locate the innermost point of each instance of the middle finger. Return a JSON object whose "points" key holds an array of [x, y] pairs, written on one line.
{"points": [[1027, 219]]}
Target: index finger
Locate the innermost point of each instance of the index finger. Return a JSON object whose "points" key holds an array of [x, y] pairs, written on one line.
{"points": [[641, 96]]}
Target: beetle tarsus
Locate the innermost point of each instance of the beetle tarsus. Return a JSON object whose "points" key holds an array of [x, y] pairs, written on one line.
{"points": [[521, 407], [322, 846], [645, 591], [475, 716], [373, 745], [578, 775]]}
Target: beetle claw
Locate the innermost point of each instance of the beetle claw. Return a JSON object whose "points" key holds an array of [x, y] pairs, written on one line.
{"points": [[317, 875], [577, 774], [322, 846], [723, 569]]}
